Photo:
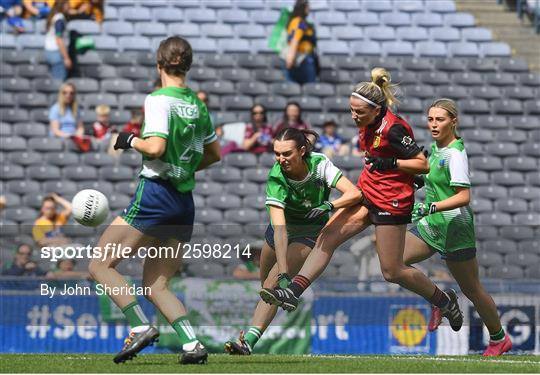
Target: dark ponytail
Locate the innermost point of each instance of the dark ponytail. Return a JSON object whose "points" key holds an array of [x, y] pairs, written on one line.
{"points": [[302, 138]]}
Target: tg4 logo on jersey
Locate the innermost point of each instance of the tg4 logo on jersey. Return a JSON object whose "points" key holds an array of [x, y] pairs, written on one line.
{"points": [[518, 321]]}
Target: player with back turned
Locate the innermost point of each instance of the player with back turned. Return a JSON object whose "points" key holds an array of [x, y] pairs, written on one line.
{"points": [[177, 139], [392, 160]]}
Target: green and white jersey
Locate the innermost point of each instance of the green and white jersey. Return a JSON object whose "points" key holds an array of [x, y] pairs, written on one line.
{"points": [[176, 114], [453, 229], [297, 198]]}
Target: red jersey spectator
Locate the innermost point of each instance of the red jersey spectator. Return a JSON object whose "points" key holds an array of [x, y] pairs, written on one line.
{"points": [[102, 127], [258, 134], [135, 123], [292, 118]]}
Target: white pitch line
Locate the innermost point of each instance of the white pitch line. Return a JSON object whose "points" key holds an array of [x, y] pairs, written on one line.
{"points": [[416, 358]]}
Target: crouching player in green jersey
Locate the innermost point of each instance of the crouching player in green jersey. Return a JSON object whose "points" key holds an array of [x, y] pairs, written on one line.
{"points": [[444, 222], [297, 198]]}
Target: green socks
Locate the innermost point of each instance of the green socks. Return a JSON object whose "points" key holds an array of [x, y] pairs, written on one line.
{"points": [[252, 336], [185, 331], [497, 336], [135, 315]]}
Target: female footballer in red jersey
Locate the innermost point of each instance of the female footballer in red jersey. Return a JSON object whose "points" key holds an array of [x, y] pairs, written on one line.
{"points": [[392, 160]]}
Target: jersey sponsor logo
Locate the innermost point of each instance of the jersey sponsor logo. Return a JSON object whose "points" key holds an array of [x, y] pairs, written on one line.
{"points": [[376, 141], [185, 110], [408, 329], [384, 213], [407, 141], [441, 164], [395, 203]]}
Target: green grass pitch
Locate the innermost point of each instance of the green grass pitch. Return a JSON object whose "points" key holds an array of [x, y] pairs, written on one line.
{"points": [[221, 363]]}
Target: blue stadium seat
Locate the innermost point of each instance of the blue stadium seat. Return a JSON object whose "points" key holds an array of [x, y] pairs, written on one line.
{"points": [[201, 15], [506, 272], [268, 75], [15, 84], [242, 189], [511, 135], [500, 79], [272, 102], [236, 74], [452, 92], [151, 29], [85, 27], [99, 71], [233, 16], [347, 33], [489, 259], [209, 188], [363, 19], [135, 14], [512, 205], [124, 187], [502, 149], [480, 205], [333, 47], [395, 48], [252, 61], [486, 163], [31, 129], [252, 88], [331, 18], [412, 33], [495, 49], [208, 216], [268, 17], [80, 173], [117, 173], [532, 107], [31, 41], [485, 92], [508, 178], [527, 219], [477, 34], [13, 144], [218, 30], [396, 19], [459, 20], [379, 6], [33, 71], [237, 102], [380, 33], [463, 49], [117, 86], [131, 100], [22, 214], [167, 15], [474, 106], [85, 85], [427, 19], [62, 187], [519, 92], [62, 159], [531, 149], [42, 172], [134, 43], [250, 31], [186, 30], [224, 201], [431, 49], [529, 79], [345, 5], [243, 216], [494, 218], [118, 28], [368, 47], [257, 175]]}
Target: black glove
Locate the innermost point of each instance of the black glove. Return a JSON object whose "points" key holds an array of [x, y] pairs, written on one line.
{"points": [[381, 164], [418, 182], [283, 280], [124, 141]]}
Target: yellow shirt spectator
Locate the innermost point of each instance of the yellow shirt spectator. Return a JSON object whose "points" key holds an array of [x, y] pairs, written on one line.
{"points": [[303, 32], [44, 227]]}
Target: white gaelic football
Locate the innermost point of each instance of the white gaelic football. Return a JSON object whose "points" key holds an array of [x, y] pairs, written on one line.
{"points": [[90, 207]]}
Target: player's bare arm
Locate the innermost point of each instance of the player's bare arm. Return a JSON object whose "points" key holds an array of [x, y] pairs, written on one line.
{"points": [[460, 199], [211, 155], [152, 147], [350, 193], [277, 216]]}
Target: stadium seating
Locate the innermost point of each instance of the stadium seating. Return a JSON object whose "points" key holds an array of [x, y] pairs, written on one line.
{"points": [[431, 49]]}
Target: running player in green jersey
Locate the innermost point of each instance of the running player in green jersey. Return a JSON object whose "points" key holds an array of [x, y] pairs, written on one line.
{"points": [[445, 224], [297, 199], [177, 139]]}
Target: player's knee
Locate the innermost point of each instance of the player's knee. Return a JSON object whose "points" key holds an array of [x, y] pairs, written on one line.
{"points": [[392, 275], [97, 267]]}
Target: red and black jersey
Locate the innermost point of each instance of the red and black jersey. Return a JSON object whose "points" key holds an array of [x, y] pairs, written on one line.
{"points": [[392, 190]]}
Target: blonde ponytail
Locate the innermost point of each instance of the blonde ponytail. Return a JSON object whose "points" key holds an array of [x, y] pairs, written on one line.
{"points": [[380, 90]]}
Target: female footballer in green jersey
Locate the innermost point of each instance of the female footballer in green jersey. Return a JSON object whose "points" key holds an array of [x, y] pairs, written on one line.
{"points": [[444, 222], [297, 198], [176, 140]]}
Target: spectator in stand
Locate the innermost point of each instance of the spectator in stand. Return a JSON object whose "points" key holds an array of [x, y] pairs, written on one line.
{"points": [[23, 265], [355, 147], [37, 8], [301, 63], [65, 271], [12, 9], [203, 96], [135, 122], [258, 133], [101, 128], [64, 115], [56, 50], [86, 9], [292, 118], [3, 202], [47, 228], [226, 145], [330, 143]]}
